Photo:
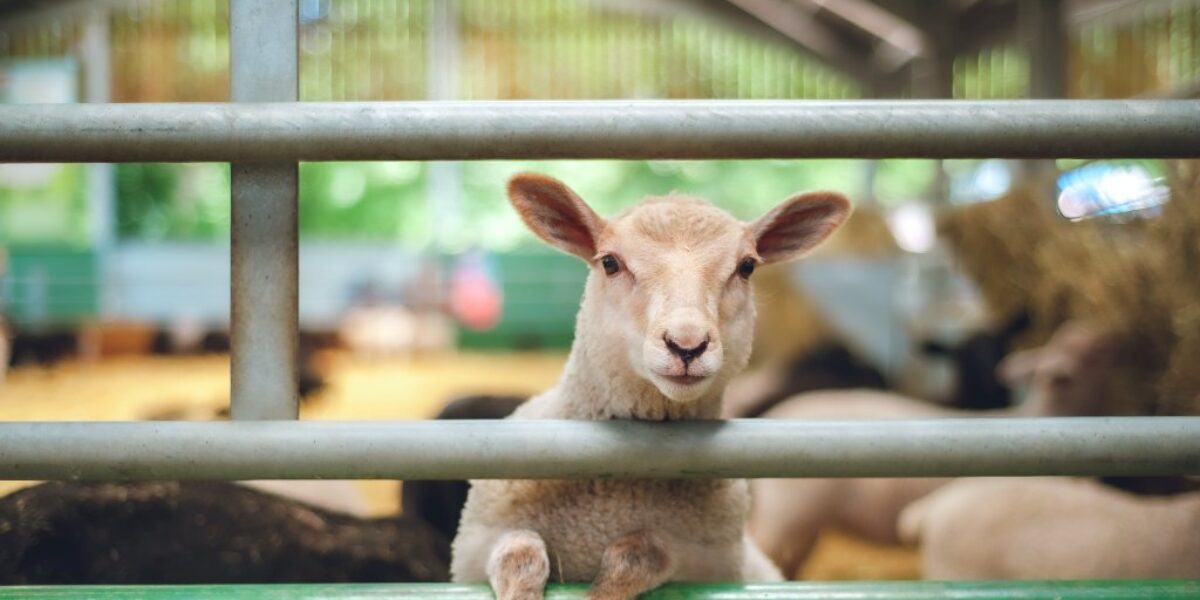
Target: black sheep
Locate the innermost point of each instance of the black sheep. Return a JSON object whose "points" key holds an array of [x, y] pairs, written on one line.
{"points": [[975, 361], [202, 532]]}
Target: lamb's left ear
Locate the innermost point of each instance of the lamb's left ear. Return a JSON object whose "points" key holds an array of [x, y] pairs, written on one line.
{"points": [[798, 225]]}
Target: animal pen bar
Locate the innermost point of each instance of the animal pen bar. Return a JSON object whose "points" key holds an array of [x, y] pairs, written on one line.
{"points": [[288, 132], [857, 590], [264, 232], [609, 449]]}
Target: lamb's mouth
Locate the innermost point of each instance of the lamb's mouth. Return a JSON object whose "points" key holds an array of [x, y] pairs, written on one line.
{"points": [[685, 380]]}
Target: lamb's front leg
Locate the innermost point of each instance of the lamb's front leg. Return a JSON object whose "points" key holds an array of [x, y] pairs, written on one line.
{"points": [[634, 563], [519, 566]]}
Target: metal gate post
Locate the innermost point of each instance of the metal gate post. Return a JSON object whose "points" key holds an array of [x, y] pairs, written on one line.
{"points": [[265, 253]]}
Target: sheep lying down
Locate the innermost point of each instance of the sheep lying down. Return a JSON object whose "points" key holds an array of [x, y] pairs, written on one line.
{"points": [[191, 532], [1053, 528], [666, 320], [1067, 377]]}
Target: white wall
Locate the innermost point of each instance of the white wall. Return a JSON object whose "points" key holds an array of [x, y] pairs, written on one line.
{"points": [[170, 281]]}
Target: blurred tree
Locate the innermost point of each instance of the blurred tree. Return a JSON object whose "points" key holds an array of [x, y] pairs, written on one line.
{"points": [[160, 201], [42, 204]]}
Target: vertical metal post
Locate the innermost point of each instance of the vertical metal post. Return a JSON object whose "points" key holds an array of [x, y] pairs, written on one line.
{"points": [[1043, 25], [1043, 30], [265, 254], [443, 190], [101, 184]]}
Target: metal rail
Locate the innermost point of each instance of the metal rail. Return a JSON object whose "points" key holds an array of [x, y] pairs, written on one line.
{"points": [[608, 449], [601, 129], [1131, 589]]}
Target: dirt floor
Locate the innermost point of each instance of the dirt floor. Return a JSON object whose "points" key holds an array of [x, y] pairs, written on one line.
{"points": [[134, 388]]}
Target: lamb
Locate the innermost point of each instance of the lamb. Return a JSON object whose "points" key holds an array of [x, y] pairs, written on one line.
{"points": [[788, 514], [378, 331], [1053, 528], [666, 319]]}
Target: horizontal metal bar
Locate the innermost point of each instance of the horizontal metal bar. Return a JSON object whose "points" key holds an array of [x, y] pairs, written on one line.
{"points": [[599, 129], [793, 590], [608, 449]]}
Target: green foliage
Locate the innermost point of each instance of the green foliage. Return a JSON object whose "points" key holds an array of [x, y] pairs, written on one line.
{"points": [[365, 200], [389, 200], [901, 180], [993, 73], [157, 201], [43, 204]]}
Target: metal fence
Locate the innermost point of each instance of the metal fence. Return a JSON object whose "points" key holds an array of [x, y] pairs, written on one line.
{"points": [[265, 136], [268, 133]]}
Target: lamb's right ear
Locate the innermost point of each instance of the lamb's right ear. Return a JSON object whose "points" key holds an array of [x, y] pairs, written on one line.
{"points": [[556, 213]]}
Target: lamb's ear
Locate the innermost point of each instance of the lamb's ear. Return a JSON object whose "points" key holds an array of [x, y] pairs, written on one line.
{"points": [[798, 225], [555, 213]]}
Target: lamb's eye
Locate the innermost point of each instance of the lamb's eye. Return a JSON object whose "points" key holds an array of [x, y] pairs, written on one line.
{"points": [[610, 264], [746, 268]]}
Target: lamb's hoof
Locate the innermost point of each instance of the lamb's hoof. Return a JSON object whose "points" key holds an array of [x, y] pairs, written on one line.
{"points": [[519, 566], [593, 595], [520, 594]]}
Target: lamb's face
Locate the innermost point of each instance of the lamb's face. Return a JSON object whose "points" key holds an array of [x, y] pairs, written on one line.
{"points": [[669, 285], [1070, 375], [670, 280]]}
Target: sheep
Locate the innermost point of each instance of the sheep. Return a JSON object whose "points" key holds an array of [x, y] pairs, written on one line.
{"points": [[334, 495], [825, 366], [378, 331], [788, 514], [202, 532], [666, 319], [42, 348], [975, 361], [1053, 528]]}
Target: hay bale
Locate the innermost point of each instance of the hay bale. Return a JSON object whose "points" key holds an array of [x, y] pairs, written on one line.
{"points": [[1139, 279], [1135, 279], [1175, 259], [995, 243]]}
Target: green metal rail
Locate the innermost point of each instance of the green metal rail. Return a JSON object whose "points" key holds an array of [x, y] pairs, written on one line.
{"points": [[894, 590]]}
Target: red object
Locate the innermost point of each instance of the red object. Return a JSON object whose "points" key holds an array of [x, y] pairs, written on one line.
{"points": [[475, 297]]}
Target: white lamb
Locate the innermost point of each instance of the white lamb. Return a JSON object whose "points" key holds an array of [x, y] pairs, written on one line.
{"points": [[1053, 528], [666, 319], [1067, 378]]}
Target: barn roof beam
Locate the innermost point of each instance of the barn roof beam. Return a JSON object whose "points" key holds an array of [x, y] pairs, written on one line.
{"points": [[898, 39], [791, 21]]}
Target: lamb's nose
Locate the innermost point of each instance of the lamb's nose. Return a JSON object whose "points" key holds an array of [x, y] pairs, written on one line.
{"points": [[687, 355]]}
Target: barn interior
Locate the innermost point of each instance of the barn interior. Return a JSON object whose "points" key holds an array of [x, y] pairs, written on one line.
{"points": [[421, 292]]}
